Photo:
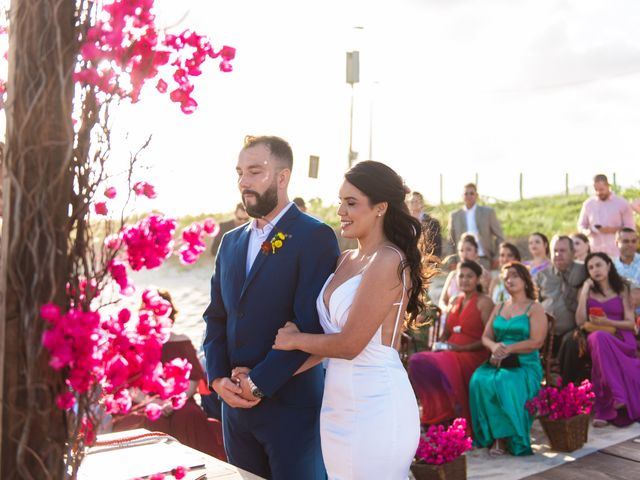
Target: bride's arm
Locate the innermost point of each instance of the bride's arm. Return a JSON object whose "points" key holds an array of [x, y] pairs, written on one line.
{"points": [[379, 289], [310, 362]]}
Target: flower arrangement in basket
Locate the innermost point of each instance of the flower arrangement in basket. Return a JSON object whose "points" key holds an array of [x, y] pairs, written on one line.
{"points": [[564, 414], [440, 452]]}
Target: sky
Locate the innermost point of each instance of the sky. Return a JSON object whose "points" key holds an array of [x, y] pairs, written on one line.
{"points": [[456, 88]]}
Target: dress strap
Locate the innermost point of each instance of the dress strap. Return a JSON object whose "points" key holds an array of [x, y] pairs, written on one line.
{"points": [[344, 257], [528, 308], [404, 287], [500, 309]]}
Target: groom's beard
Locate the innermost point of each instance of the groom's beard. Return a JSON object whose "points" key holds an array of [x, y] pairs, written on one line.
{"points": [[264, 204]]}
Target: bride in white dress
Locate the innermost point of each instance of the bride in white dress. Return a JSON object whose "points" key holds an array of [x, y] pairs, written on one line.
{"points": [[369, 423]]}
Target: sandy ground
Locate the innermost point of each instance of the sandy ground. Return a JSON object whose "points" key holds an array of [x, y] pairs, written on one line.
{"points": [[189, 287]]}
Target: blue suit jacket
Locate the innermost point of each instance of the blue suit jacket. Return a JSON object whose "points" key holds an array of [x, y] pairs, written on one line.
{"points": [[246, 311]]}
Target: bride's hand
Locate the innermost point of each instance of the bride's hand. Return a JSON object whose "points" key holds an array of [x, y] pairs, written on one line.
{"points": [[285, 340]]}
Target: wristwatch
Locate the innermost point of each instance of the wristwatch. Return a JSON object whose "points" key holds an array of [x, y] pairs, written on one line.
{"points": [[255, 391]]}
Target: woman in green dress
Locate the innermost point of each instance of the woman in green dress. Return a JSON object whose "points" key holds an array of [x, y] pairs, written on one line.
{"points": [[500, 388]]}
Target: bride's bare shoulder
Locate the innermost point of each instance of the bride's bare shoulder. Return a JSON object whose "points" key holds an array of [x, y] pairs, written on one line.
{"points": [[386, 259]]}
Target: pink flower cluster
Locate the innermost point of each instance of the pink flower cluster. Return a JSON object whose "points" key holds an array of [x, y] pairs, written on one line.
{"points": [[557, 402], [189, 66], [115, 355], [192, 236], [146, 189], [148, 242], [127, 42], [442, 445]]}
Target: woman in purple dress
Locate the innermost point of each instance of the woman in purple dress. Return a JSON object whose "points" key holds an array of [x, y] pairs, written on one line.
{"points": [[540, 253], [604, 309]]}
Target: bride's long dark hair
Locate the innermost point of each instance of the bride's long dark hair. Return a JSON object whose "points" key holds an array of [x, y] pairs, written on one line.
{"points": [[380, 183]]}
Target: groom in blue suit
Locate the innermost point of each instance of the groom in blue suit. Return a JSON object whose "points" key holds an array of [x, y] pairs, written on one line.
{"points": [[267, 273]]}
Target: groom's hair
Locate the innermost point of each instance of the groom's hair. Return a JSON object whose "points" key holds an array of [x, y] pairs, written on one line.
{"points": [[279, 148]]}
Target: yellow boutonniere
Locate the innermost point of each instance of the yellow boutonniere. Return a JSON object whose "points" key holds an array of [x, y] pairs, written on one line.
{"points": [[270, 247]]}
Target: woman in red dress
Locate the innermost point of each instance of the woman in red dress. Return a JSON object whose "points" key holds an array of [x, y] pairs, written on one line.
{"points": [[441, 378]]}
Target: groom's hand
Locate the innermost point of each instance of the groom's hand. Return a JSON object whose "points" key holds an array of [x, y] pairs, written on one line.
{"points": [[231, 393]]}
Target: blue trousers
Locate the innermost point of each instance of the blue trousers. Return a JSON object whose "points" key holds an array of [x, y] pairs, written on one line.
{"points": [[274, 441]]}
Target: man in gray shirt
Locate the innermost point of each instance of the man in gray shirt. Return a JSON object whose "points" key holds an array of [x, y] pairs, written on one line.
{"points": [[558, 291]]}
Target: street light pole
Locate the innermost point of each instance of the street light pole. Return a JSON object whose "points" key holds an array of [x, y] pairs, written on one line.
{"points": [[353, 77]]}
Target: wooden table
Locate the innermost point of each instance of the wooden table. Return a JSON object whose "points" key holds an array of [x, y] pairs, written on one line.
{"points": [[156, 455]]}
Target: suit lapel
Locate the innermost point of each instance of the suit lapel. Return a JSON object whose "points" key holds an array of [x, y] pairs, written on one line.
{"points": [[261, 258], [241, 256]]}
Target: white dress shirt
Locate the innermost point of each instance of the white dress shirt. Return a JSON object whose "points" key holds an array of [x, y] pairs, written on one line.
{"points": [[259, 235], [472, 226]]}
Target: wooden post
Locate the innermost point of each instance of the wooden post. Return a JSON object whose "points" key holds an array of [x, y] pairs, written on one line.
{"points": [[441, 193], [38, 162], [615, 183], [521, 197], [476, 180], [566, 184]]}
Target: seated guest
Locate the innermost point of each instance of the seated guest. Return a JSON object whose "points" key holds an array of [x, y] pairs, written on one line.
{"points": [[189, 424], [604, 309], [441, 378], [500, 388], [581, 247], [539, 251], [508, 252], [558, 289], [467, 250], [628, 263]]}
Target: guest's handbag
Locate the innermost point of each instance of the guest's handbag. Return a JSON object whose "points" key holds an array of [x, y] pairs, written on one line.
{"points": [[510, 361], [592, 327]]}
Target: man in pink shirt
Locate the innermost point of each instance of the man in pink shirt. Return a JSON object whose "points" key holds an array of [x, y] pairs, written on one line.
{"points": [[603, 215]]}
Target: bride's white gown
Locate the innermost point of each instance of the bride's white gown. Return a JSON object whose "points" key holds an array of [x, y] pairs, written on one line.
{"points": [[369, 422]]}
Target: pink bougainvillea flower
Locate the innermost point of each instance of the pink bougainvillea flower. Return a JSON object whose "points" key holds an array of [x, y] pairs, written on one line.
{"points": [[50, 312], [100, 208], [179, 472], [178, 401], [162, 86], [150, 191], [110, 192], [113, 242], [118, 271], [153, 411], [65, 401], [87, 431], [157, 476], [146, 189], [211, 227], [228, 53]]}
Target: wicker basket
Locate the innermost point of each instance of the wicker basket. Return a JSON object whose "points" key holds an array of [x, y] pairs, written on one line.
{"points": [[453, 470], [567, 434]]}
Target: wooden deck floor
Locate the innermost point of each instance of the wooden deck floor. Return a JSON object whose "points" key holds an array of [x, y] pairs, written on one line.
{"points": [[617, 462]]}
